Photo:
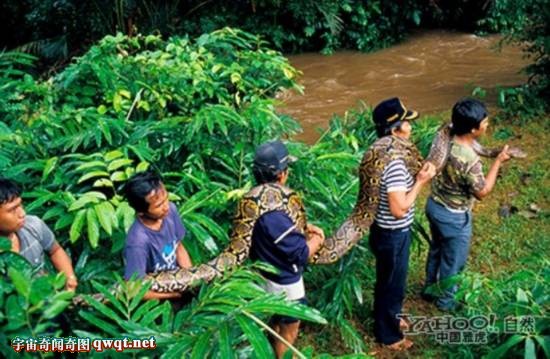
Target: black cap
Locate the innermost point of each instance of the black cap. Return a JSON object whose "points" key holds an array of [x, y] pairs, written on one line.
{"points": [[273, 156], [389, 113]]}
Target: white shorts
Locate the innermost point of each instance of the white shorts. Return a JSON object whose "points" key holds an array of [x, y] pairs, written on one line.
{"points": [[293, 291]]}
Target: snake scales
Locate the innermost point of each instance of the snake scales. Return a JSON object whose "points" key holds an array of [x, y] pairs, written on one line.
{"points": [[272, 197]]}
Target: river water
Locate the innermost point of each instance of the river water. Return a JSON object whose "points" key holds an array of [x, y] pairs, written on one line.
{"points": [[430, 71]]}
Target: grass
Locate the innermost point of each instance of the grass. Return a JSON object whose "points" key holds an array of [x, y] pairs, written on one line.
{"points": [[500, 246]]}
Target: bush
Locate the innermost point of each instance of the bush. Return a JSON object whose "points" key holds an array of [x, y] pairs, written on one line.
{"points": [[519, 305], [54, 29], [194, 109], [183, 106], [527, 24]]}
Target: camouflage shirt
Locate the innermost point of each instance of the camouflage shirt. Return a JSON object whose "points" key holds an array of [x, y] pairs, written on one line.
{"points": [[460, 177]]}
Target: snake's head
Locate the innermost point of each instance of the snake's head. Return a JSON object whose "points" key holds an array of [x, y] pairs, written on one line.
{"points": [[517, 152]]}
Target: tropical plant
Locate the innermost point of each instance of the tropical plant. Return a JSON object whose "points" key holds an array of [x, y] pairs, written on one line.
{"points": [[28, 304], [519, 305], [194, 110], [525, 23], [210, 326], [127, 104]]}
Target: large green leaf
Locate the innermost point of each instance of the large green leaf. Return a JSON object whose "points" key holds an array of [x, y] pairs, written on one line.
{"points": [[53, 309], [202, 346], [102, 308], [105, 213], [21, 282], [225, 341], [109, 328], [93, 227], [41, 288], [256, 337], [502, 349], [78, 224], [5, 244]]}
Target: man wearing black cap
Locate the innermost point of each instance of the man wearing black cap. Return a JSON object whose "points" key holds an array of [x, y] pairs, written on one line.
{"points": [[275, 240], [390, 234]]}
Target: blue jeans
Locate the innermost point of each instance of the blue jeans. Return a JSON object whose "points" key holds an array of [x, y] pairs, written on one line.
{"points": [[391, 249], [451, 234]]}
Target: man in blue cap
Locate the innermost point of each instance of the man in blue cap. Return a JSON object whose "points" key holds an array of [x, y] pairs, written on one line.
{"points": [[277, 241]]}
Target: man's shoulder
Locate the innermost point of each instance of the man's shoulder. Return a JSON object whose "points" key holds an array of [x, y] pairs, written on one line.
{"points": [[173, 214], [463, 153], [34, 225], [276, 224], [463, 157], [173, 207], [395, 167], [274, 217], [137, 234]]}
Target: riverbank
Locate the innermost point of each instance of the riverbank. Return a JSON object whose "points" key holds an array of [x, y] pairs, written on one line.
{"points": [[430, 71], [503, 243]]}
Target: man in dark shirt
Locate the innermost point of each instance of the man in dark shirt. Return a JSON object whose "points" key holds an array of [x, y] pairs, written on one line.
{"points": [[153, 243], [277, 241]]}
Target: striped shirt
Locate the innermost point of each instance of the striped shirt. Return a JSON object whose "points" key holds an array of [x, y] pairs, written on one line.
{"points": [[396, 178]]}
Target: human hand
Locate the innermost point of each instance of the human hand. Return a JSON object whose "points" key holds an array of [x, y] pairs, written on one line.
{"points": [[315, 233], [504, 155], [426, 173], [313, 229], [320, 239], [71, 283]]}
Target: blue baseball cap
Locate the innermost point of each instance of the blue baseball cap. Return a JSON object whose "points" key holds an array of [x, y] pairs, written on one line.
{"points": [[272, 156]]}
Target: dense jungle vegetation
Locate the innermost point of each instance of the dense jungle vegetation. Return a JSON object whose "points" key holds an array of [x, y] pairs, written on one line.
{"points": [[166, 84]]}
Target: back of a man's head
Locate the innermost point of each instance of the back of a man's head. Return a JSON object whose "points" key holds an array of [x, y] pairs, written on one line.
{"points": [[467, 115], [270, 160], [9, 191], [139, 186]]}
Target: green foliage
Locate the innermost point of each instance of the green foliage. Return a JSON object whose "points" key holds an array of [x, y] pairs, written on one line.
{"points": [[314, 25], [517, 104], [210, 326], [129, 103], [193, 109], [527, 24], [524, 296], [28, 303], [181, 106], [521, 104], [53, 29]]}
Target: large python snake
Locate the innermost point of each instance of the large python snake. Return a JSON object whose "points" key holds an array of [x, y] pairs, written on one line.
{"points": [[272, 197]]}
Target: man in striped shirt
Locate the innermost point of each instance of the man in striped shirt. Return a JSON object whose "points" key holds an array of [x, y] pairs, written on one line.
{"points": [[390, 234]]}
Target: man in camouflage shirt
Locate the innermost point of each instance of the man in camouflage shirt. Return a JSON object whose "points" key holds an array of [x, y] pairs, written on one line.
{"points": [[454, 191], [459, 179]]}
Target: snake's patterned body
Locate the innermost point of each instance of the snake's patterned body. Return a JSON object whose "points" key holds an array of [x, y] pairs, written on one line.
{"points": [[273, 197], [258, 201]]}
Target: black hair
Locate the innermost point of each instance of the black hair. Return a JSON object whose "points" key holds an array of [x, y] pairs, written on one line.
{"points": [[467, 115], [139, 186], [265, 175], [382, 131], [9, 190]]}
